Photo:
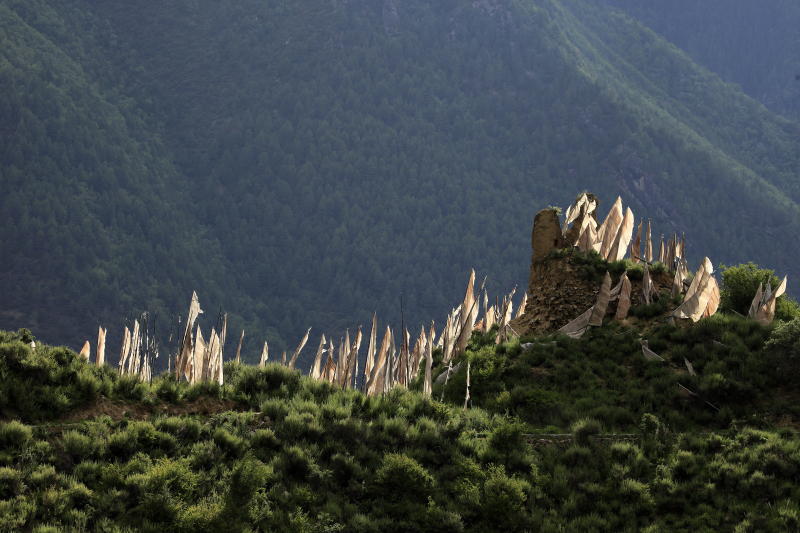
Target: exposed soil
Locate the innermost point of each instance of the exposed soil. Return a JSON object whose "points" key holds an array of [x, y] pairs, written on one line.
{"points": [[118, 409]]}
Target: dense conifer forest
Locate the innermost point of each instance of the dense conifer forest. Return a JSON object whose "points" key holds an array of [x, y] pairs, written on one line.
{"points": [[754, 45], [306, 164]]}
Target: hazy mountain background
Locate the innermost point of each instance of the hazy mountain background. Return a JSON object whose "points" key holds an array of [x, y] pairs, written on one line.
{"points": [[305, 163], [755, 45]]}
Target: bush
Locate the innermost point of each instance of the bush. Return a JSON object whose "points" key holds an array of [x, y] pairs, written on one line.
{"points": [[14, 435], [402, 475], [636, 495], [10, 483], [77, 445], [296, 426], [585, 428], [43, 476], [296, 464], [652, 310], [230, 444], [204, 455], [507, 446], [130, 388], [167, 389], [204, 388], [264, 439], [249, 475], [275, 409], [503, 503], [783, 349], [739, 286], [140, 437]]}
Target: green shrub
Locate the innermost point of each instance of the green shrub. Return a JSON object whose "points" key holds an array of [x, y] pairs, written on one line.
{"points": [[229, 443], [635, 271], [685, 465], [297, 426], [345, 467], [43, 476], [636, 495], [584, 429], [140, 437], [617, 268], [184, 428], [624, 452], [275, 409], [204, 455], [77, 445], [14, 435], [651, 310], [658, 268], [739, 286], [248, 476], [264, 439], [296, 463], [47, 528], [79, 495], [89, 472], [166, 476], [167, 388], [16, 512], [503, 502], [506, 446], [400, 474], [209, 389], [789, 515], [783, 350], [88, 386], [11, 483], [394, 430], [202, 516], [130, 388]]}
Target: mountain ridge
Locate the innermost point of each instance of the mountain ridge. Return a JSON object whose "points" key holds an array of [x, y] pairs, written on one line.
{"points": [[331, 157]]}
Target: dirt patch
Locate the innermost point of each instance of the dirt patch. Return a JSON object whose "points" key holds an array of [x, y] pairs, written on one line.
{"points": [[539, 371], [119, 409]]}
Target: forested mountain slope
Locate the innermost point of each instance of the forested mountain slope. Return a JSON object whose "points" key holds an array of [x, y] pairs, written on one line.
{"points": [[753, 44], [303, 164], [93, 216]]}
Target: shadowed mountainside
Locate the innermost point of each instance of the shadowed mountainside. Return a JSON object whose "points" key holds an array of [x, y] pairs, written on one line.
{"points": [[305, 164]]}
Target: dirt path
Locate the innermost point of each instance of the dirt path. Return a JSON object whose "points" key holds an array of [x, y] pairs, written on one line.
{"points": [[120, 410]]}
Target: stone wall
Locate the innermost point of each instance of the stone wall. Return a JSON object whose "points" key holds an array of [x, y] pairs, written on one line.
{"points": [[546, 234], [559, 291]]}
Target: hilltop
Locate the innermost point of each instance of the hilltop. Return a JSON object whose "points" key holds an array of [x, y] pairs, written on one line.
{"points": [[561, 434], [307, 164]]}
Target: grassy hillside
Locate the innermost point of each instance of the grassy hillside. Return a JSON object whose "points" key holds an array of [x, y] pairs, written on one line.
{"points": [[275, 451], [305, 164], [550, 382]]}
